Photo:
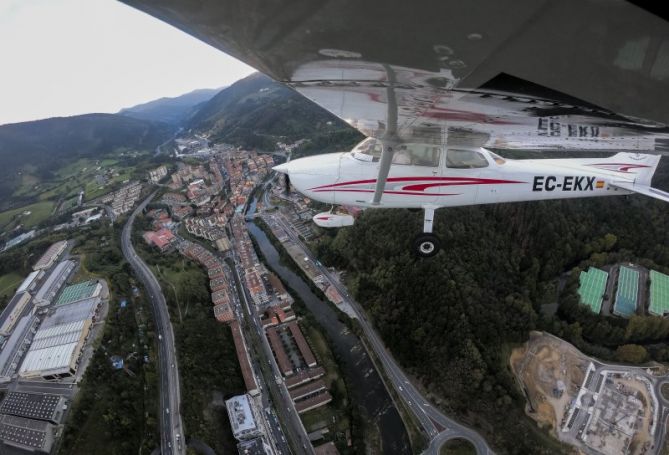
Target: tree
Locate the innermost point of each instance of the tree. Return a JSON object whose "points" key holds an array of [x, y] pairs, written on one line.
{"points": [[632, 353]]}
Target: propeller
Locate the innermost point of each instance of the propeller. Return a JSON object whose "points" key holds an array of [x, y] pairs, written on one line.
{"points": [[286, 178]]}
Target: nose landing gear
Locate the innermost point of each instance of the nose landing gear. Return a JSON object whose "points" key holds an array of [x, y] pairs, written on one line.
{"points": [[427, 244]]}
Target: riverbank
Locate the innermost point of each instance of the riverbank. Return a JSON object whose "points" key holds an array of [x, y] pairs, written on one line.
{"points": [[366, 387]]}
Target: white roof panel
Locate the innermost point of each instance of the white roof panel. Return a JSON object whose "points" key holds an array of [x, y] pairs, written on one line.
{"points": [[56, 357]]}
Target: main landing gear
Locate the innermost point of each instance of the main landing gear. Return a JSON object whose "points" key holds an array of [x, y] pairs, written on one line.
{"points": [[427, 244]]}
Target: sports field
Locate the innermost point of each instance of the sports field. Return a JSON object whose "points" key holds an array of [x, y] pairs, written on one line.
{"points": [[76, 292], [592, 287], [628, 290], [659, 293]]}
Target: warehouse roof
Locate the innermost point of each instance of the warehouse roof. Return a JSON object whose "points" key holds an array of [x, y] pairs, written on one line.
{"points": [[14, 309], [58, 275], [26, 432], [79, 311], [51, 358], [28, 282], [50, 255], [41, 406]]}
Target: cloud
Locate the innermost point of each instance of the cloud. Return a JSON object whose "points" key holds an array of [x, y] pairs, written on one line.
{"points": [[67, 57]]}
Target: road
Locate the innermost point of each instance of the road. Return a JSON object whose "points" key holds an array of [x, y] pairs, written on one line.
{"points": [[108, 209], [286, 409], [171, 425], [436, 425]]}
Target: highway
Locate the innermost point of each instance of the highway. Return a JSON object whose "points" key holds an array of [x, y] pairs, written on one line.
{"points": [[171, 425], [436, 425]]}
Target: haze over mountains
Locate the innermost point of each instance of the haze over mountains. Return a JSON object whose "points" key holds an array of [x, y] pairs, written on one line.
{"points": [[173, 111]]}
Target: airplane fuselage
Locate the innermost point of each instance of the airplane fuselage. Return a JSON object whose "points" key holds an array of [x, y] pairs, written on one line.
{"points": [[344, 179]]}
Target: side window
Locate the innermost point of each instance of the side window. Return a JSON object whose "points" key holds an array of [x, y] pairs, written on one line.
{"points": [[417, 155], [465, 159]]}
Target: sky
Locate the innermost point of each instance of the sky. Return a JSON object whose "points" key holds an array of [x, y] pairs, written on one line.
{"points": [[69, 57]]}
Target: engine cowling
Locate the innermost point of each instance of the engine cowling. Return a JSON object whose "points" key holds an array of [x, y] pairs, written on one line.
{"points": [[333, 220]]}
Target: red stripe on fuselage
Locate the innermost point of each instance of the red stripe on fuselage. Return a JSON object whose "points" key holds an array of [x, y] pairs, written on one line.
{"points": [[352, 190], [622, 167], [445, 181]]}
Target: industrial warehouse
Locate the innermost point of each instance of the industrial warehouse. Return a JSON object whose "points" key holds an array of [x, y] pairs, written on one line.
{"points": [[44, 331], [624, 290]]}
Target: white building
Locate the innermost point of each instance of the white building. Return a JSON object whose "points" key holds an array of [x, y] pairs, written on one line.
{"points": [[31, 281], [13, 312], [57, 344], [55, 351], [244, 425], [158, 173]]}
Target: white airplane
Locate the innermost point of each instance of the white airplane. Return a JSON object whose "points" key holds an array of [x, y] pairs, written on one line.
{"points": [[435, 85], [431, 177]]}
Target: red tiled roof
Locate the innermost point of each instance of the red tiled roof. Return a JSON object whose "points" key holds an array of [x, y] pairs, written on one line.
{"points": [[304, 376], [242, 356], [307, 389], [223, 313], [314, 402], [279, 352], [302, 344]]}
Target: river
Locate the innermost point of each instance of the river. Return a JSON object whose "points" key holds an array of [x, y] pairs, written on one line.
{"points": [[368, 391]]}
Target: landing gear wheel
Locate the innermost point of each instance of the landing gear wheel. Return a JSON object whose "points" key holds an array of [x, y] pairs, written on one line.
{"points": [[426, 245]]}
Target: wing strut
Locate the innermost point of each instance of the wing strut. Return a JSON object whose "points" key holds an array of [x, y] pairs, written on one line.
{"points": [[389, 138]]}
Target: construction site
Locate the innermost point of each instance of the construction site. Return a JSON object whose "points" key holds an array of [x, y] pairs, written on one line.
{"points": [[598, 408]]}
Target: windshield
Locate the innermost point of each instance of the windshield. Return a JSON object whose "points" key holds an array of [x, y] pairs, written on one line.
{"points": [[496, 158], [465, 159], [408, 154], [368, 150]]}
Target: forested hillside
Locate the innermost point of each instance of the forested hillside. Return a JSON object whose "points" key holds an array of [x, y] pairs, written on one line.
{"points": [[452, 319], [256, 112], [43, 146]]}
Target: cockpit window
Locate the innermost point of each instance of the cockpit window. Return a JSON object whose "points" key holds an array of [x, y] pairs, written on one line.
{"points": [[465, 159], [409, 154], [368, 150]]}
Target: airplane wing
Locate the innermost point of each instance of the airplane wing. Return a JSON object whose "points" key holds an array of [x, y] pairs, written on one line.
{"points": [[587, 75]]}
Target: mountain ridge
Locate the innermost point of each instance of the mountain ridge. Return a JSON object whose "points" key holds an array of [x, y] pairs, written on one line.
{"points": [[171, 110]]}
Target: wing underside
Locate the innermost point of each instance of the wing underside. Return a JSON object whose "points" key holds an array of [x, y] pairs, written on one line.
{"points": [[509, 74]]}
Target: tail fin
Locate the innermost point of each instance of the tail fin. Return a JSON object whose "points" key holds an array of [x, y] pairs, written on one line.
{"points": [[639, 166], [643, 166]]}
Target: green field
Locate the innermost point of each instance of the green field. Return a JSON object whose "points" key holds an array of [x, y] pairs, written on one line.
{"points": [[66, 182], [9, 282], [659, 293], [40, 211], [628, 288], [592, 287]]}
